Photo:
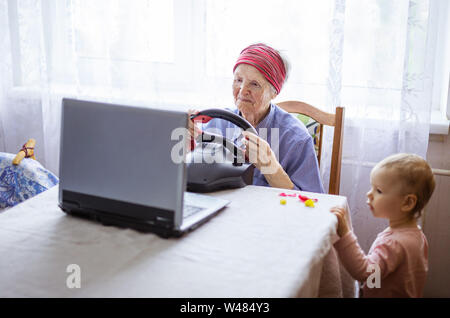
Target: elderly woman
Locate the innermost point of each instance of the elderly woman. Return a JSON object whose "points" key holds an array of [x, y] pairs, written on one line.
{"points": [[259, 74]]}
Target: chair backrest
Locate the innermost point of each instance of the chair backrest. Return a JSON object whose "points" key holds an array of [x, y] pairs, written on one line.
{"points": [[323, 118]]}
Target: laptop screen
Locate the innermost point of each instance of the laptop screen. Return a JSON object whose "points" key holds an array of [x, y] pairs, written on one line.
{"points": [[121, 153]]}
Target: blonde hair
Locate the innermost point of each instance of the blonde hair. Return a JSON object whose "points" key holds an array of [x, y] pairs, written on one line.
{"points": [[415, 175]]}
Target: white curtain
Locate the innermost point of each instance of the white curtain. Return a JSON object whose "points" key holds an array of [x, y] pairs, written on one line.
{"points": [[387, 93], [372, 56]]}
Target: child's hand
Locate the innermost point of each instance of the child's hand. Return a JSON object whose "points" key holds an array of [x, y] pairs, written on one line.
{"points": [[340, 212]]}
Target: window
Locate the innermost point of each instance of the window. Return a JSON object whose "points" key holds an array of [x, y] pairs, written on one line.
{"points": [[183, 51], [101, 39]]}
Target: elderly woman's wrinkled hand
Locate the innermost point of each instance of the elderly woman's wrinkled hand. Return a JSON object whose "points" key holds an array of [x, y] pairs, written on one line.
{"points": [[259, 153], [193, 130]]}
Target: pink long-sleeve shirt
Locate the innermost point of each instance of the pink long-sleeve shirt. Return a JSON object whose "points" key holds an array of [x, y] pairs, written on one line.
{"points": [[402, 258]]}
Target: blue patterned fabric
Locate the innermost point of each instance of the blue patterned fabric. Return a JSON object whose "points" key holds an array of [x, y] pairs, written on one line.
{"points": [[21, 182]]}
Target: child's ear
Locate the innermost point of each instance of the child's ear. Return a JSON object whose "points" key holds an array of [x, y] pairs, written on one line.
{"points": [[409, 202]]}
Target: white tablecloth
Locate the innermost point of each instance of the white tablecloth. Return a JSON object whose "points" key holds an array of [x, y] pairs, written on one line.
{"points": [[256, 247]]}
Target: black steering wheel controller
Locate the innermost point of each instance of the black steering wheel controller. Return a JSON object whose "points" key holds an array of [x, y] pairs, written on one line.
{"points": [[208, 177], [206, 115]]}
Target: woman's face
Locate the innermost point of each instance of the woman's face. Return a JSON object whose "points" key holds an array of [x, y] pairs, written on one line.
{"points": [[252, 93]]}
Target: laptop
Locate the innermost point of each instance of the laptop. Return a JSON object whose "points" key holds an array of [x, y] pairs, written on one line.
{"points": [[117, 167]]}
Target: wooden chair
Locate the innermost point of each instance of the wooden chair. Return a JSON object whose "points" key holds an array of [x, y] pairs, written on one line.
{"points": [[323, 118]]}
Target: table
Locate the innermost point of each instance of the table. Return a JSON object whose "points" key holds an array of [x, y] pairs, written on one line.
{"points": [[256, 247]]}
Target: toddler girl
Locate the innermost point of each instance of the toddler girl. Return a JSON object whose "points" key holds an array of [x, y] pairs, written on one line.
{"points": [[401, 186]]}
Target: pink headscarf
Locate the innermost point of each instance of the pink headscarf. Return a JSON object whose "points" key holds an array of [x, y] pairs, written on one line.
{"points": [[267, 61]]}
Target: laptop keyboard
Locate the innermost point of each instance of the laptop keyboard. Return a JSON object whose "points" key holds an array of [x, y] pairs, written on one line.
{"points": [[189, 210]]}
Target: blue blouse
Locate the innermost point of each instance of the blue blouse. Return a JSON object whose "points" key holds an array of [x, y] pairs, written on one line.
{"points": [[293, 148]]}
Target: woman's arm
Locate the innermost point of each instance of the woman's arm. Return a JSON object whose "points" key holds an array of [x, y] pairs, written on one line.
{"points": [[300, 161], [279, 179]]}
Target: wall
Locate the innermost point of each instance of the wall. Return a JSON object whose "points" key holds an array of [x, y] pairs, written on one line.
{"points": [[436, 220]]}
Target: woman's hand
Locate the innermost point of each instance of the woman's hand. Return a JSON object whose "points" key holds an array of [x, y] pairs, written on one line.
{"points": [[259, 153], [193, 130], [340, 213]]}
